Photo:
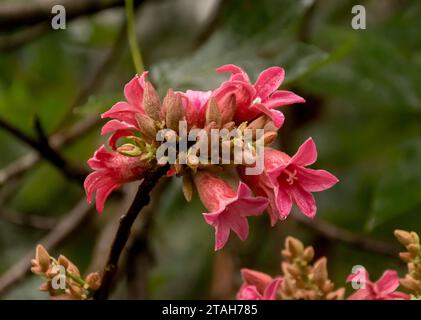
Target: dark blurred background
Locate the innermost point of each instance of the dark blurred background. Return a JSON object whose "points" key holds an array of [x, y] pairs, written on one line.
{"points": [[363, 92]]}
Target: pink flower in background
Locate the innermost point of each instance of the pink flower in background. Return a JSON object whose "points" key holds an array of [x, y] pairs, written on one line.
{"points": [[286, 180], [111, 171], [258, 286], [260, 98], [382, 289], [228, 209]]}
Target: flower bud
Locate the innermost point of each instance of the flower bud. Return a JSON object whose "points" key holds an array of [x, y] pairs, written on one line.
{"points": [[269, 138], [147, 126], [151, 102], [308, 254], [403, 237], [213, 113], [129, 150], [41, 263], [410, 283], [405, 256], [93, 280], [320, 271], [294, 246], [228, 108], [174, 110], [258, 123]]}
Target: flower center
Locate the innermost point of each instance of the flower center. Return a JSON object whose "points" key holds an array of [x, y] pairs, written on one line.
{"points": [[292, 176]]}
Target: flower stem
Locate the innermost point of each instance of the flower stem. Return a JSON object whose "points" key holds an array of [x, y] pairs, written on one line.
{"points": [[131, 34]]}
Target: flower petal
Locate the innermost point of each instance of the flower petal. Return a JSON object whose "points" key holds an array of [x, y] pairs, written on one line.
{"points": [[272, 289], [315, 180], [268, 81], [388, 282], [237, 72], [306, 154], [283, 202], [281, 98], [222, 232], [304, 200]]}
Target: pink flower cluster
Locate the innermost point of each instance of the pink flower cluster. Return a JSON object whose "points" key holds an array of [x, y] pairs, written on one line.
{"points": [[260, 286], [284, 181]]}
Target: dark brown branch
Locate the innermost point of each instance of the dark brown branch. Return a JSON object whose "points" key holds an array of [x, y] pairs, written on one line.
{"points": [[17, 15], [333, 232], [140, 256], [64, 228], [141, 199], [28, 161], [17, 39], [43, 147]]}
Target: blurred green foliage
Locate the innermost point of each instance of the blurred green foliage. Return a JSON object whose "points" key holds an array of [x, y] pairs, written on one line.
{"points": [[363, 110]]}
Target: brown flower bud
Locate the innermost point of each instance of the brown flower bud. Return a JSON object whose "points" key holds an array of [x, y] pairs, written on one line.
{"points": [[258, 123], [405, 256], [174, 110], [41, 263], [151, 102], [68, 265], [147, 126], [308, 254], [213, 113], [336, 295], [229, 125], [270, 127], [320, 271], [228, 107], [269, 138], [294, 246], [93, 280], [410, 283], [414, 249], [403, 237]]}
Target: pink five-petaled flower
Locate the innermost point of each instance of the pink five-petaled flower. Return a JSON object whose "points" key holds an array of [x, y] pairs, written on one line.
{"points": [[382, 289], [111, 171], [262, 97], [258, 286], [228, 209], [285, 179]]}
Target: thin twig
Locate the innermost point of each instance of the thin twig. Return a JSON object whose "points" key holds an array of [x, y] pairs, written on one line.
{"points": [[22, 14], [43, 147], [28, 220], [64, 228], [141, 199], [333, 232]]}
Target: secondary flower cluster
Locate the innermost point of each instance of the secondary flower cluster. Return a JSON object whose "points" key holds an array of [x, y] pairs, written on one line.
{"points": [[304, 281], [236, 105], [301, 279], [62, 278]]}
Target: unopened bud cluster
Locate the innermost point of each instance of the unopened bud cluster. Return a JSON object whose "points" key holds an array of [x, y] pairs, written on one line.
{"points": [[62, 277], [304, 279], [412, 257]]}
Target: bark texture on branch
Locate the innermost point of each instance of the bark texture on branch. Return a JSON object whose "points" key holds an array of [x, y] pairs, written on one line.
{"points": [[141, 199]]}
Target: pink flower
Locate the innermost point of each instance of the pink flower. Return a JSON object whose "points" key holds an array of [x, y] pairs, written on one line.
{"points": [[123, 113], [195, 103], [111, 171], [286, 180], [260, 98], [228, 209], [258, 286], [382, 289]]}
